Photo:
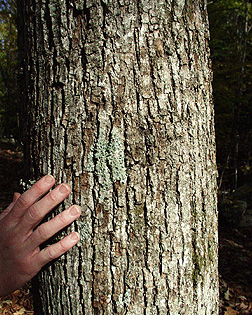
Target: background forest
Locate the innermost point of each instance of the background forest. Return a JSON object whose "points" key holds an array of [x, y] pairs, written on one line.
{"points": [[231, 55]]}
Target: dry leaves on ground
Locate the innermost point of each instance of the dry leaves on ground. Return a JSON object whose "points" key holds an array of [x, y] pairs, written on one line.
{"points": [[17, 303]]}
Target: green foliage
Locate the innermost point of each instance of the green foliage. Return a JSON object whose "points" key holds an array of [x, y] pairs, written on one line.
{"points": [[231, 51], [8, 69]]}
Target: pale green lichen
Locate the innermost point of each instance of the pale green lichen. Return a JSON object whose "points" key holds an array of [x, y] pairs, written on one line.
{"points": [[115, 158], [106, 160], [84, 230]]}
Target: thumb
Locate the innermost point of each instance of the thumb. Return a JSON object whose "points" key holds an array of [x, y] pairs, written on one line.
{"points": [[8, 209], [15, 197]]}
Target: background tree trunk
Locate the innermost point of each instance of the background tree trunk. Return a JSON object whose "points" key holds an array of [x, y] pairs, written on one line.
{"points": [[118, 104]]}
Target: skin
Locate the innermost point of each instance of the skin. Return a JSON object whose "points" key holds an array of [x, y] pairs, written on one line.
{"points": [[20, 236]]}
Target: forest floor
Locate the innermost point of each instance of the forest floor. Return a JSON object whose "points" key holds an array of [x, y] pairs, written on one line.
{"points": [[235, 250]]}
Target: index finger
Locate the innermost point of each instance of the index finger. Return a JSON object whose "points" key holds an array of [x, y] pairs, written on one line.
{"points": [[29, 197]]}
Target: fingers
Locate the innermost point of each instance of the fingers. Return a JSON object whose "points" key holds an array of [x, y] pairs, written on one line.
{"points": [[21, 257], [15, 197], [48, 229], [28, 198], [38, 210], [56, 250]]}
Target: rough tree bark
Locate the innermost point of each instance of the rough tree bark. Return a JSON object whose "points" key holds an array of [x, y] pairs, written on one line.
{"points": [[118, 104]]}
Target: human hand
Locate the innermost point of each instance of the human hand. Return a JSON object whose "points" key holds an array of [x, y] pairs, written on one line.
{"points": [[20, 236]]}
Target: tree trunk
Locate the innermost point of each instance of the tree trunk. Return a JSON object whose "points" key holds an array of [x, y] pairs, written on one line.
{"points": [[118, 104]]}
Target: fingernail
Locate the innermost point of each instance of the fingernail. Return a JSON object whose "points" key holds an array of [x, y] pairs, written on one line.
{"points": [[75, 236], [74, 211], [48, 179], [64, 189]]}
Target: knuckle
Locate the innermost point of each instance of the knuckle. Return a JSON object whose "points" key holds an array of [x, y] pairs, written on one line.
{"points": [[39, 188], [43, 232], [62, 219], [22, 202], [34, 213], [63, 247], [56, 250], [51, 254], [53, 197]]}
